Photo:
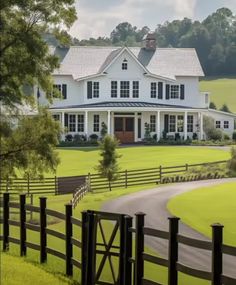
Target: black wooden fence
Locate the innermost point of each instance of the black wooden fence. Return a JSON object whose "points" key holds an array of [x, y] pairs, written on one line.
{"points": [[129, 270], [128, 178]]}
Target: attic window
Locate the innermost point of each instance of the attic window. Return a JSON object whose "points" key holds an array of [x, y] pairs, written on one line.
{"points": [[125, 64]]}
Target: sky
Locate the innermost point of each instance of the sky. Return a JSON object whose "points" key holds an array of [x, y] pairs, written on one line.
{"points": [[100, 17]]}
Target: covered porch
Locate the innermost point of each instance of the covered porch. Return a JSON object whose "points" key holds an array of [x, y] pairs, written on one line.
{"points": [[130, 125]]}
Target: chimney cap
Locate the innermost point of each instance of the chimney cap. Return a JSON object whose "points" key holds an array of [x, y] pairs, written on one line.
{"points": [[150, 36]]}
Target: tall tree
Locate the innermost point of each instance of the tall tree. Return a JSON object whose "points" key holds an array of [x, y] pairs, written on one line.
{"points": [[28, 142]]}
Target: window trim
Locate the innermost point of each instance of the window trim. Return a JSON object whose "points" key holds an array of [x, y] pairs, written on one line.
{"points": [[190, 121], [124, 90], [80, 124], [62, 88], [226, 124], [135, 89], [218, 124], [172, 123], [96, 123], [175, 94], [153, 90], [124, 65], [152, 124], [70, 124], [114, 89]]}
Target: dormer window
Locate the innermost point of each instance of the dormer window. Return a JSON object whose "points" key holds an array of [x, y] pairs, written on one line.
{"points": [[125, 64]]}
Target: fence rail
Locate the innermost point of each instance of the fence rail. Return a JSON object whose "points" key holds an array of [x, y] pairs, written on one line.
{"points": [[132, 263]]}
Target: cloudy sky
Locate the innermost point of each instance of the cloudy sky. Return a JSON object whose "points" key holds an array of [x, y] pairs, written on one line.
{"points": [[99, 17]]}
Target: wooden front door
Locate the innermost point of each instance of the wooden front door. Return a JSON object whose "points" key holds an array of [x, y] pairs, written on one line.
{"points": [[124, 129]]}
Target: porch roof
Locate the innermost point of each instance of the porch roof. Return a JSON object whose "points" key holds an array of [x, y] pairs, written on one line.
{"points": [[122, 105]]}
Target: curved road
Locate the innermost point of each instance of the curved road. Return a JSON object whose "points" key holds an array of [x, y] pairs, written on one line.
{"points": [[153, 202]]}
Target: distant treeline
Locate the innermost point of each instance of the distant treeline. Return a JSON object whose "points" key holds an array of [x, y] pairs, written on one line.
{"points": [[214, 39]]}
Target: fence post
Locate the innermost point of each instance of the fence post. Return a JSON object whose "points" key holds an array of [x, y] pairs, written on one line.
{"points": [[139, 248], [217, 262], [160, 172], [126, 178], [186, 167], [5, 221], [127, 251], [43, 234], [122, 250], [69, 246], [22, 225], [91, 250], [173, 251], [84, 239]]}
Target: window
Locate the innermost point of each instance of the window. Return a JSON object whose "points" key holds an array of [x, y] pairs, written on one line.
{"points": [[72, 123], [135, 89], [56, 117], [125, 64], [172, 124], [114, 89], [62, 88], [80, 127], [190, 124], [95, 89], [153, 90], [96, 123], [174, 91], [218, 124], [226, 124], [124, 89], [152, 123], [180, 124]]}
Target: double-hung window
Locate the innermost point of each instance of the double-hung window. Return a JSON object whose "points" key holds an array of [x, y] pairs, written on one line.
{"points": [[172, 123], [96, 123], [190, 124], [56, 117], [152, 123], [62, 88], [80, 126], [218, 124], [124, 64], [113, 89], [153, 89], [135, 89], [226, 124], [174, 91], [72, 123], [124, 89], [180, 123], [95, 89]]}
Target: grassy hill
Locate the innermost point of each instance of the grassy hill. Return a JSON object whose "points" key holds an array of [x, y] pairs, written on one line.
{"points": [[223, 90]]}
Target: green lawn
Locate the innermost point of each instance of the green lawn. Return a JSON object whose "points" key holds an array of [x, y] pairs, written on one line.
{"points": [[203, 207], [223, 90], [16, 271], [83, 160]]}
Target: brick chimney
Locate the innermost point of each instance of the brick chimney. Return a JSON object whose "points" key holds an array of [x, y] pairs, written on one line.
{"points": [[149, 41]]}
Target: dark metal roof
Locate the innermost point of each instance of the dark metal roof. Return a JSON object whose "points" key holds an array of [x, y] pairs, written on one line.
{"points": [[122, 105]]}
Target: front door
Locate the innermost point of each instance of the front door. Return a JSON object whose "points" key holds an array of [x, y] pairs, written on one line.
{"points": [[124, 129]]}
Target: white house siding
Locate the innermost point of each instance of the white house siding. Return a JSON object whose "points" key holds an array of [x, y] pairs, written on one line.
{"points": [[220, 116]]}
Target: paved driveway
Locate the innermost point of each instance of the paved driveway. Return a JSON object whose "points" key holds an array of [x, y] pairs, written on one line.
{"points": [[153, 202]]}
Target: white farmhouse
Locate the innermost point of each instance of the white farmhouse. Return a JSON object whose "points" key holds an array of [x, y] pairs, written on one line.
{"points": [[127, 88]]}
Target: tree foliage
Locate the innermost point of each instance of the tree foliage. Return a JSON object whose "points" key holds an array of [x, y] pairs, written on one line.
{"points": [[27, 142], [108, 165], [232, 162], [209, 129], [225, 108]]}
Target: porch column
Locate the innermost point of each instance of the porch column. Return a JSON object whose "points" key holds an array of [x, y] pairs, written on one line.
{"points": [[185, 125], [200, 125], [108, 122], [86, 123], [63, 125], [136, 127], [158, 124]]}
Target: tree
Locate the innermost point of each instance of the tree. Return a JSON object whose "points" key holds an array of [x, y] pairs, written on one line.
{"points": [[108, 165], [121, 32], [209, 129], [29, 145], [225, 108], [103, 130], [232, 162], [26, 61], [212, 105]]}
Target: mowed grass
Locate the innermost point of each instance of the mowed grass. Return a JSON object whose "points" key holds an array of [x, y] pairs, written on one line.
{"points": [[92, 202], [223, 91], [16, 271], [202, 207], [83, 160]]}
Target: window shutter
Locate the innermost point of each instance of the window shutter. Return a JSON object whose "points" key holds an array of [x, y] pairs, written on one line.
{"points": [[89, 90], [66, 120], [182, 91], [160, 90], [166, 123], [64, 91], [167, 91]]}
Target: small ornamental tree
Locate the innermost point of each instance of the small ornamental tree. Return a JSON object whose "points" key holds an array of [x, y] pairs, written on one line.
{"points": [[225, 108], [103, 130], [147, 134], [108, 166], [232, 162], [212, 105]]}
